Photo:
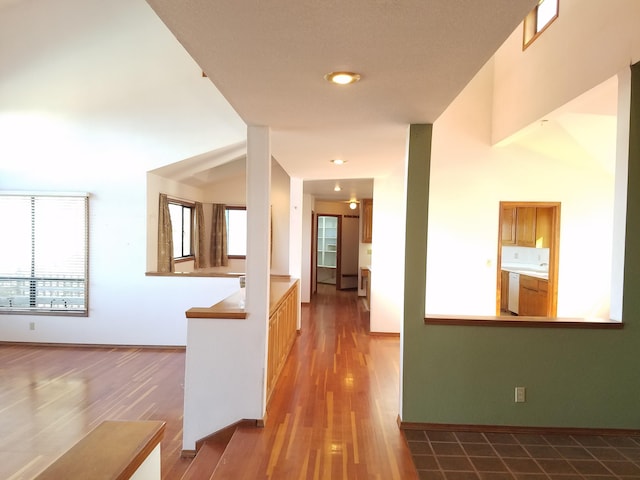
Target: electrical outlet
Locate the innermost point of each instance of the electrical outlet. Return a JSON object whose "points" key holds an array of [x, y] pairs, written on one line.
{"points": [[515, 255], [520, 395], [32, 325]]}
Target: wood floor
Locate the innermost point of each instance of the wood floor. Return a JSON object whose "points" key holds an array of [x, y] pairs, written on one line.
{"points": [[332, 416]]}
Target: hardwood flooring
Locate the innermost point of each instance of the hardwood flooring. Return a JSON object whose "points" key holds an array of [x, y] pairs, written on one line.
{"points": [[51, 397], [332, 415]]}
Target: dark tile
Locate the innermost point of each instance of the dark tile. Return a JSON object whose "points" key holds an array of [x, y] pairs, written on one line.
{"points": [[511, 451], [425, 462], [606, 453], [560, 440], [623, 468], [590, 440], [471, 437], [631, 453], [488, 464], [420, 448], [566, 477], [415, 435], [574, 453], [542, 451], [589, 467], [438, 436], [457, 464], [428, 475], [441, 448], [531, 476], [522, 465], [461, 476], [554, 466], [479, 450], [495, 476], [621, 442], [506, 438], [530, 439]]}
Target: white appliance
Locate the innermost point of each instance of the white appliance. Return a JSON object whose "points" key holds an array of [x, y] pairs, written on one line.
{"points": [[514, 291]]}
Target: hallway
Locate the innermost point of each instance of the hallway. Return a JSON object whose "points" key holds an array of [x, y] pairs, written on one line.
{"points": [[333, 414]]}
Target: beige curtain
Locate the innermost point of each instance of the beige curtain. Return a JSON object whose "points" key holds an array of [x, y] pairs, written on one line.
{"points": [[165, 237], [219, 237], [198, 237]]}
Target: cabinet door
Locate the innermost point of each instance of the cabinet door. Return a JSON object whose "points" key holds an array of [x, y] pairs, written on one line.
{"points": [[367, 220], [544, 219], [508, 226], [526, 226], [504, 290]]}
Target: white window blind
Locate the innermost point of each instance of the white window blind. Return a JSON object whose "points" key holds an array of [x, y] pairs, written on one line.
{"points": [[44, 254]]}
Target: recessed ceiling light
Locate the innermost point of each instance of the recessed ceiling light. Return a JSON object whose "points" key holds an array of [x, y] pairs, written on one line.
{"points": [[337, 188], [338, 161], [342, 78]]}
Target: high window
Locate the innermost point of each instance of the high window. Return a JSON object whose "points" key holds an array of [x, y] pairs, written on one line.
{"points": [[44, 254], [182, 218], [236, 232], [538, 20]]}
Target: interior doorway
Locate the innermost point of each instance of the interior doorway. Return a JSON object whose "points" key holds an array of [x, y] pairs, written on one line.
{"points": [[528, 257], [328, 258]]}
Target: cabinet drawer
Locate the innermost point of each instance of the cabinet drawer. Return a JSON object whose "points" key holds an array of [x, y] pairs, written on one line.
{"points": [[543, 286], [529, 283]]}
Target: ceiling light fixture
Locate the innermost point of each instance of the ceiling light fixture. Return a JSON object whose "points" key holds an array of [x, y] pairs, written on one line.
{"points": [[338, 161], [353, 205], [337, 188], [342, 78]]}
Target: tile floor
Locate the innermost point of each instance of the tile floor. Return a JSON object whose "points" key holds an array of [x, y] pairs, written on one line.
{"points": [[440, 455]]}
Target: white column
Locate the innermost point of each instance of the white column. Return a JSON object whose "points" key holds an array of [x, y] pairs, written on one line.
{"points": [[258, 243]]}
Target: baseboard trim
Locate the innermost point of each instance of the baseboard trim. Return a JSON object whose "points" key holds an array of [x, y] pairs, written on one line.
{"points": [[384, 334], [92, 345], [516, 429]]}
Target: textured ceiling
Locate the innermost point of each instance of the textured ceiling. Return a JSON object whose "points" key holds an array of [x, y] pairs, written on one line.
{"points": [[268, 59]]}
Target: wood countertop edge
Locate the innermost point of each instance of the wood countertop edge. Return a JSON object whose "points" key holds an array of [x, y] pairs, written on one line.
{"points": [[538, 322], [115, 450], [230, 308]]}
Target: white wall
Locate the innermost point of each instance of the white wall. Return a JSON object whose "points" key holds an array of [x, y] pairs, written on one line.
{"points": [[305, 278], [280, 218], [96, 117], [588, 43], [387, 257], [468, 180]]}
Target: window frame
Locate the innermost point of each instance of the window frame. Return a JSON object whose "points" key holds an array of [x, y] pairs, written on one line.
{"points": [[57, 275], [192, 208], [530, 31], [227, 208]]}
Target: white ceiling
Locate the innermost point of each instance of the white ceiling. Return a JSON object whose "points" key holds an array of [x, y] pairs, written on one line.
{"points": [[268, 59]]}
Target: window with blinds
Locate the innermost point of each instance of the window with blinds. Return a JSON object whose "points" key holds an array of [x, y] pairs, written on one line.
{"points": [[44, 254]]}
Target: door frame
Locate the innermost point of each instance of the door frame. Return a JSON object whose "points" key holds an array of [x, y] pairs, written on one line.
{"points": [[314, 241], [554, 256]]}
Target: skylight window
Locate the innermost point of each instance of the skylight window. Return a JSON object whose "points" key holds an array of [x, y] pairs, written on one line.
{"points": [[538, 20]]}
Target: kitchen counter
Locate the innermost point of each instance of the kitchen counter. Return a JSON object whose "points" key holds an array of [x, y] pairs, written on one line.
{"points": [[233, 306], [531, 271]]}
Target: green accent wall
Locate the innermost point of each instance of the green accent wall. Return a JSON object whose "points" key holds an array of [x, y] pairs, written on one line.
{"points": [[467, 375]]}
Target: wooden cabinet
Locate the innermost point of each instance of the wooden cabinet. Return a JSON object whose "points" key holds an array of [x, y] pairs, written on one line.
{"points": [[533, 300], [508, 219], [367, 219], [504, 291], [527, 226]]}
